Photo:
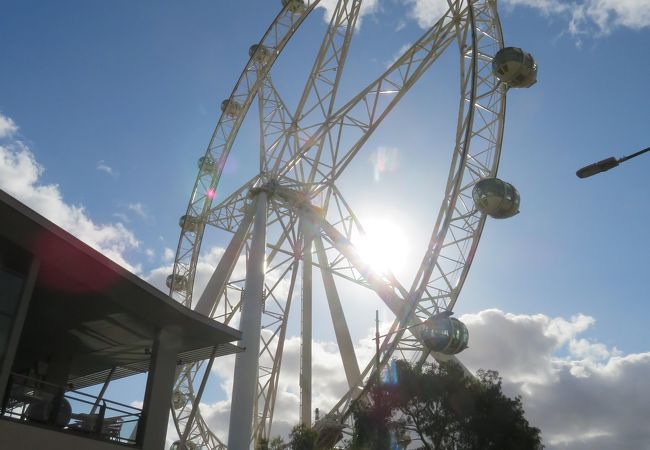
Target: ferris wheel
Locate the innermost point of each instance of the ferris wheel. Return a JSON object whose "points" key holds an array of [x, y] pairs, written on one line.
{"points": [[290, 217]]}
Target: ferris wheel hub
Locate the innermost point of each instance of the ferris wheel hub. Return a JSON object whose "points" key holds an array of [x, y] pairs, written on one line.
{"points": [[270, 187]]}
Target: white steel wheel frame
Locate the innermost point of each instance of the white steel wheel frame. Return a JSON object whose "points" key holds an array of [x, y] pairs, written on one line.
{"points": [[291, 217]]}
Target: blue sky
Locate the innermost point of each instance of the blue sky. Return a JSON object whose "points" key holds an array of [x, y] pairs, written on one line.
{"points": [[106, 106]]}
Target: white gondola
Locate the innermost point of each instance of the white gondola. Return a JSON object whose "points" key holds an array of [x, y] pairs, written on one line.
{"points": [[295, 6], [231, 108], [206, 164], [189, 223], [178, 399], [444, 334], [176, 282], [189, 445], [259, 53], [330, 431], [496, 198], [516, 68]]}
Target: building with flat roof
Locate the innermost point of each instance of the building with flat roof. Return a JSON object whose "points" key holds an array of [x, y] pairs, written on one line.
{"points": [[70, 319]]}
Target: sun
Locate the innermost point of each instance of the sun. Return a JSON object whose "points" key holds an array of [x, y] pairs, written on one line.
{"points": [[384, 246]]}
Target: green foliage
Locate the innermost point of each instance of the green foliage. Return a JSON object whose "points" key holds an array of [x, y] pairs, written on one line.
{"points": [[497, 421], [445, 410], [371, 430], [274, 444], [303, 438]]}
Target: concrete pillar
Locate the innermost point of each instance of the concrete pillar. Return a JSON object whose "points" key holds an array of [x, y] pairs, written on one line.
{"points": [[246, 363], [158, 395]]}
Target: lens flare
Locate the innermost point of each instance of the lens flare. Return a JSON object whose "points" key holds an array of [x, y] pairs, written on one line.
{"points": [[384, 160]]}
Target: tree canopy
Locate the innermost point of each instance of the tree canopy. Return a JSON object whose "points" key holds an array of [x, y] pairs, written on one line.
{"points": [[444, 410], [435, 407], [301, 437], [277, 443]]}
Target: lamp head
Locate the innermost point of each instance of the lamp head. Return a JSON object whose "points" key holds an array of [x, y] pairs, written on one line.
{"points": [[600, 166]]}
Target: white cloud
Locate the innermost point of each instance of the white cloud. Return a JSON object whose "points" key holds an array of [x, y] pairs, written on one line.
{"points": [[545, 6], [579, 392], [19, 177], [594, 16], [139, 209], [610, 14], [367, 7], [7, 126], [582, 16], [426, 12], [123, 217], [103, 167], [168, 254]]}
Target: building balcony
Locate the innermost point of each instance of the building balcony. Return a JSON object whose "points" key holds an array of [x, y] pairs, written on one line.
{"points": [[30, 401]]}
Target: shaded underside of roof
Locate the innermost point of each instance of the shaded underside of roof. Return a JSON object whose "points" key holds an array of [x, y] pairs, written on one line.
{"points": [[143, 366]]}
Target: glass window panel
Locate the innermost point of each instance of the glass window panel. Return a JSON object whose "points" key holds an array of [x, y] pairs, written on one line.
{"points": [[11, 286], [5, 328]]}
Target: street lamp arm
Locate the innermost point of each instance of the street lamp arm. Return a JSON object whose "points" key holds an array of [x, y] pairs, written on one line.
{"points": [[640, 152]]}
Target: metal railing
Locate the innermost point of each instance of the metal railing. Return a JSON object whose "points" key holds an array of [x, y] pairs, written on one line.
{"points": [[64, 409]]}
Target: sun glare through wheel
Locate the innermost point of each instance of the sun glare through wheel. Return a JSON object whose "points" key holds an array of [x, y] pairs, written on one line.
{"points": [[289, 231], [384, 245]]}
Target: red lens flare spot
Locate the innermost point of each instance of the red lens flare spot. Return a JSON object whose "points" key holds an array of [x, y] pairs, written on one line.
{"points": [[211, 193], [67, 268]]}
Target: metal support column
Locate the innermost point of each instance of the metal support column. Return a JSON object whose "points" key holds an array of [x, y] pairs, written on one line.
{"points": [[341, 330], [100, 396], [245, 379], [306, 322]]}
